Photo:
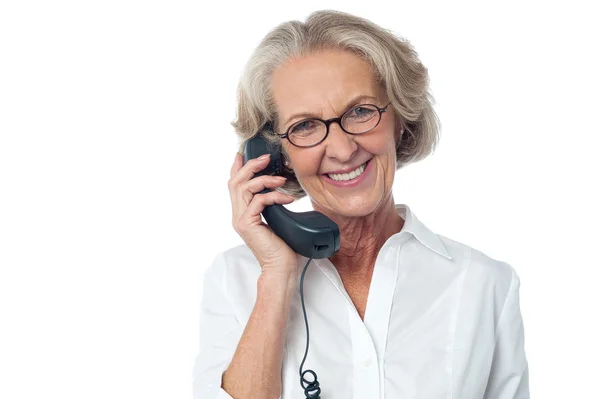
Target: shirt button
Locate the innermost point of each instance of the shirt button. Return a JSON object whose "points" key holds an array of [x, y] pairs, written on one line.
{"points": [[368, 362]]}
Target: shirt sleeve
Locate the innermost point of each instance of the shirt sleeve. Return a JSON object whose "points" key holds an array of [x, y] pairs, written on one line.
{"points": [[220, 333], [509, 375]]}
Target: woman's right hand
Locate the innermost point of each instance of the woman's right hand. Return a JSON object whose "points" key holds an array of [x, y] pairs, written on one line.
{"points": [[273, 254]]}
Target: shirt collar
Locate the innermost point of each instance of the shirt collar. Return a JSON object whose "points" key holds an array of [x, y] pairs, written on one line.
{"points": [[414, 226]]}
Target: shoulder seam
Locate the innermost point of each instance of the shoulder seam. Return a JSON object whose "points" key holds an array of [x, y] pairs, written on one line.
{"points": [[508, 294]]}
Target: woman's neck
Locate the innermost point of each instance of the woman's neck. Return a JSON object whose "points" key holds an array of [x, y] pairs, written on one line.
{"points": [[361, 238]]}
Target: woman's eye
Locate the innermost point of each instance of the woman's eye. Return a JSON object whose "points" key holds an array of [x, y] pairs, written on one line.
{"points": [[361, 111], [304, 127], [360, 114]]}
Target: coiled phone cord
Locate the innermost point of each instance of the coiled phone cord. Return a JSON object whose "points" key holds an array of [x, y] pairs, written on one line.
{"points": [[311, 388]]}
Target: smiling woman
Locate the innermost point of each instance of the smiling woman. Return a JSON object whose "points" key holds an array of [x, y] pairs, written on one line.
{"points": [[350, 61], [398, 311], [323, 81]]}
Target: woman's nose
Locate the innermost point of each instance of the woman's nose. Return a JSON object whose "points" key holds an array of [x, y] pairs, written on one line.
{"points": [[340, 145]]}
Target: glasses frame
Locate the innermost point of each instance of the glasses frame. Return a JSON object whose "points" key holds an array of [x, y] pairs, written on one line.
{"points": [[329, 122]]}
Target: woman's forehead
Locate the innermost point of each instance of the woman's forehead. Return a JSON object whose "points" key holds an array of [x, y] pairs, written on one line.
{"points": [[321, 84], [323, 74], [322, 103]]}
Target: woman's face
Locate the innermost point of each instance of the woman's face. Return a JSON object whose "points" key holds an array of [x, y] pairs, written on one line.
{"points": [[326, 84]]}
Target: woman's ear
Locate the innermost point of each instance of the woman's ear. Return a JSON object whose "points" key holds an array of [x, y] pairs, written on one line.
{"points": [[287, 163], [399, 132], [285, 159], [398, 128]]}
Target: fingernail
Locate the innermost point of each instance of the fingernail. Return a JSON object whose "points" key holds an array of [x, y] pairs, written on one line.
{"points": [[265, 156], [281, 178]]}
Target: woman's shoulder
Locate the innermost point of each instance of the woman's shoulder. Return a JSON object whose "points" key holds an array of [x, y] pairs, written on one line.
{"points": [[480, 266], [237, 263]]}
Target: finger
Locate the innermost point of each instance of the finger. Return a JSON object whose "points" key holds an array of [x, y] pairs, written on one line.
{"points": [[240, 198], [260, 201], [252, 214], [258, 184], [237, 204], [247, 171], [237, 164], [244, 193]]}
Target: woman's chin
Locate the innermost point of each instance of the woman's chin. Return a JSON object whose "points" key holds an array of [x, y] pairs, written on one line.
{"points": [[354, 206]]}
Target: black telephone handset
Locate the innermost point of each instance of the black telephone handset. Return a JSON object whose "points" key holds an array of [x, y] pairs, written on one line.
{"points": [[310, 234]]}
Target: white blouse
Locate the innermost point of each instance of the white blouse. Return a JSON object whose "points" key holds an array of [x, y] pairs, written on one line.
{"points": [[442, 321]]}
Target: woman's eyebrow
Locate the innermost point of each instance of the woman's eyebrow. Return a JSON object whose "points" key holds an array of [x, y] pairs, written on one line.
{"points": [[313, 115]]}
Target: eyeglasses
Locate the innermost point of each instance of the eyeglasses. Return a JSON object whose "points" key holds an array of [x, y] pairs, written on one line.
{"points": [[357, 120]]}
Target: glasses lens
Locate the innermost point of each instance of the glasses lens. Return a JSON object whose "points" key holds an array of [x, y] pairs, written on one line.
{"points": [[307, 132], [361, 119]]}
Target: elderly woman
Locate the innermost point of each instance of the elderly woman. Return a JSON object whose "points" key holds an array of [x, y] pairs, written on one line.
{"points": [[399, 311]]}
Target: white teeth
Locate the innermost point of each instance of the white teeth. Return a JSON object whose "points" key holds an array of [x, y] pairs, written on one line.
{"points": [[348, 176]]}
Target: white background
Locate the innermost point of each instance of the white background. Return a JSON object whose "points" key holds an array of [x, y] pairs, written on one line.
{"points": [[115, 151]]}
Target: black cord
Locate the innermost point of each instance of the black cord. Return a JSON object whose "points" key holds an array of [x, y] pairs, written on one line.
{"points": [[311, 388]]}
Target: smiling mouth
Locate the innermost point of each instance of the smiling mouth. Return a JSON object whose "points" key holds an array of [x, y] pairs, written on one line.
{"points": [[350, 175]]}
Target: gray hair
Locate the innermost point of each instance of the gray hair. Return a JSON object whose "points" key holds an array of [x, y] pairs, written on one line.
{"points": [[393, 59]]}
